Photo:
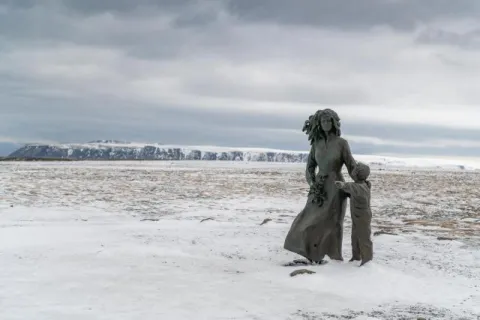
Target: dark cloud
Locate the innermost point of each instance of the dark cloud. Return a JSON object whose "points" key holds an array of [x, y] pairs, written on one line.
{"points": [[143, 28], [353, 14], [22, 4], [90, 7], [241, 73], [344, 14], [195, 19]]}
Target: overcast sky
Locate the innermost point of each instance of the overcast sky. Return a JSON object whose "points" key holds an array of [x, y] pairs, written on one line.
{"points": [[403, 75]]}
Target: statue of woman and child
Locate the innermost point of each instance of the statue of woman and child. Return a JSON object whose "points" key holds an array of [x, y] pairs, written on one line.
{"points": [[317, 231]]}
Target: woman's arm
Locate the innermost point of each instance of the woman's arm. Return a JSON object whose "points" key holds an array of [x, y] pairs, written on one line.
{"points": [[311, 166], [348, 159]]}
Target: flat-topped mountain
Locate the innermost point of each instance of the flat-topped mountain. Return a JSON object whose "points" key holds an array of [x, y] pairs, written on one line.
{"points": [[120, 150]]}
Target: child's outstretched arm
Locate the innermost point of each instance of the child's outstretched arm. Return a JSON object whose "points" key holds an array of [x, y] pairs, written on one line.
{"points": [[351, 188]]}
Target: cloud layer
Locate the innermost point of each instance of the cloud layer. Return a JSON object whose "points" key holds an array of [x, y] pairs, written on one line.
{"points": [[402, 74]]}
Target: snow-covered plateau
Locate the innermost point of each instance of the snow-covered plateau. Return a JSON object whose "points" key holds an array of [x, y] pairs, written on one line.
{"points": [[118, 150], [115, 150], [185, 240]]}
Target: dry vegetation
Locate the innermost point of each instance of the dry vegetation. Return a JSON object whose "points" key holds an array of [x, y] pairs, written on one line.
{"points": [[444, 204]]}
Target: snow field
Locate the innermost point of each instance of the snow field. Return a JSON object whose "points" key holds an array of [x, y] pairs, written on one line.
{"points": [[126, 241]]}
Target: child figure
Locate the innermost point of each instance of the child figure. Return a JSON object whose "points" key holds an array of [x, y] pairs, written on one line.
{"points": [[359, 193]]}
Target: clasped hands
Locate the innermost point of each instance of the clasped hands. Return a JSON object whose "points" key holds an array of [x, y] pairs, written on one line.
{"points": [[339, 184]]}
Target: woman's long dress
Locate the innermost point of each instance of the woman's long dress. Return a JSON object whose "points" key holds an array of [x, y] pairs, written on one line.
{"points": [[318, 230]]}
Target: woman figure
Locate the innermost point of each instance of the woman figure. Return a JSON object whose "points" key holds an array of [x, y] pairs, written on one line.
{"points": [[318, 229]]}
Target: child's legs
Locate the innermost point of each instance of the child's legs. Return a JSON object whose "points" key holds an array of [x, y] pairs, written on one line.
{"points": [[363, 232], [356, 253]]}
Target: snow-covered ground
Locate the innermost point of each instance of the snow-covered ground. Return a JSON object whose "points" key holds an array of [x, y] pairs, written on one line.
{"points": [[128, 240]]}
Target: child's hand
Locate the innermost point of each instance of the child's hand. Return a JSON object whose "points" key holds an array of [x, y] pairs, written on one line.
{"points": [[339, 184]]}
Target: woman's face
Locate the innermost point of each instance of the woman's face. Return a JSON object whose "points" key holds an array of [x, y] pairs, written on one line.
{"points": [[326, 123]]}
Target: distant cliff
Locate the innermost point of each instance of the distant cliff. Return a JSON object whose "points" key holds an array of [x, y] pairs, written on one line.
{"points": [[117, 150]]}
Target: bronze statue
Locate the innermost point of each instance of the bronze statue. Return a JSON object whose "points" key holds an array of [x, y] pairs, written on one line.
{"points": [[318, 229]]}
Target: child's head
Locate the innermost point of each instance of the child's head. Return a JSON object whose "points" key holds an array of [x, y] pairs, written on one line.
{"points": [[361, 172]]}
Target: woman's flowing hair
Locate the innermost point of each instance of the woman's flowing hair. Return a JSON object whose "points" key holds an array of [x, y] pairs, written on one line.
{"points": [[313, 127]]}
